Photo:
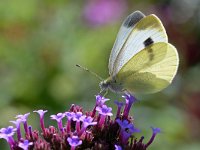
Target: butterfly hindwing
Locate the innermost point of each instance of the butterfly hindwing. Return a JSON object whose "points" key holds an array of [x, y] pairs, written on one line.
{"points": [[150, 70]]}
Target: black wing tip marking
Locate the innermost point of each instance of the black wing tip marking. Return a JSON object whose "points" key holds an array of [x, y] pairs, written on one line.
{"points": [[133, 18], [148, 42]]}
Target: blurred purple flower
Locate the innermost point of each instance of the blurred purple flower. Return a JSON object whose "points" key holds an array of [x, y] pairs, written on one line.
{"points": [[130, 99], [78, 117], [58, 118], [69, 116], [17, 124], [87, 122], [100, 100], [24, 145], [155, 132], [24, 118], [118, 147], [119, 106], [123, 124], [99, 12], [41, 113], [126, 130], [103, 111], [74, 141], [7, 134]]}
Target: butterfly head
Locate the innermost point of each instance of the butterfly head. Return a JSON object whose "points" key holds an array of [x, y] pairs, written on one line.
{"points": [[104, 85], [112, 85]]}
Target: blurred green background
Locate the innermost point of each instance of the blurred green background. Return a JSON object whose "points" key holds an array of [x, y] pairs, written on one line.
{"points": [[41, 41]]}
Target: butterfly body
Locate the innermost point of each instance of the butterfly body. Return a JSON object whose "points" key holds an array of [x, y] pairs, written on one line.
{"points": [[111, 84], [141, 60]]}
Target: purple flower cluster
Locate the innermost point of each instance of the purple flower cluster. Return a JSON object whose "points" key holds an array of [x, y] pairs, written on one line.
{"points": [[83, 130]]}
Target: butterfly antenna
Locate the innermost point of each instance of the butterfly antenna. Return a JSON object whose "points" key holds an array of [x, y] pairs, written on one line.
{"points": [[93, 73]]}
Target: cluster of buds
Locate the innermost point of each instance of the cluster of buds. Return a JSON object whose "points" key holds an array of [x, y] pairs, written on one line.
{"points": [[94, 129]]}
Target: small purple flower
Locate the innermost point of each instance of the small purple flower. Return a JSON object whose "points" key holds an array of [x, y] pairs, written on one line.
{"points": [[24, 145], [69, 116], [126, 130], [17, 124], [155, 132], [118, 147], [23, 117], [58, 118], [74, 141], [130, 99], [7, 133], [78, 116], [100, 100], [123, 124], [104, 111], [126, 134], [24, 120], [87, 122], [41, 113], [119, 106]]}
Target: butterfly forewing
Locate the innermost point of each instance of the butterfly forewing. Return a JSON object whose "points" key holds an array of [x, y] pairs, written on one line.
{"points": [[147, 31], [150, 70], [124, 32]]}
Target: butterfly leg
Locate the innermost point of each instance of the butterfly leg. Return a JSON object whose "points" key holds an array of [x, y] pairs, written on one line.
{"points": [[125, 91], [101, 92], [106, 92]]}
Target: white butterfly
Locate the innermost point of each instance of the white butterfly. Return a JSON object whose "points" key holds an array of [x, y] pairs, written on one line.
{"points": [[141, 60]]}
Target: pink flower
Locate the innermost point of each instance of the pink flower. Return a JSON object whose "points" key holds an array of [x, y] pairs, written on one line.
{"points": [[99, 12]]}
